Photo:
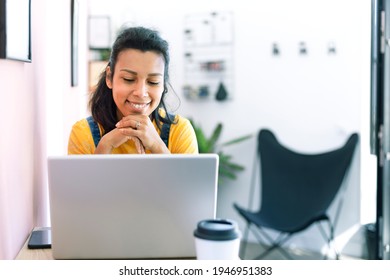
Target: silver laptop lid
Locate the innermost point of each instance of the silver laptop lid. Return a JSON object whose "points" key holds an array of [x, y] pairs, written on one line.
{"points": [[129, 206]]}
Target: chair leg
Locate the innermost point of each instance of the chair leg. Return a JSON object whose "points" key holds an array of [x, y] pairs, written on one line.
{"points": [[244, 244], [275, 244], [329, 239], [331, 242], [273, 247]]}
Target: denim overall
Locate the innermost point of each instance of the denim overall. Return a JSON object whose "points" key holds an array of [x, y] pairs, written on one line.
{"points": [[96, 132]]}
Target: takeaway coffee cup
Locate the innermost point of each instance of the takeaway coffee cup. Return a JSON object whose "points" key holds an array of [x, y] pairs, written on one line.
{"points": [[217, 239]]}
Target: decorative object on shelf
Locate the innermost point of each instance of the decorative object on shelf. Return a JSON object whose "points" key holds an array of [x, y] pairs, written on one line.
{"points": [[199, 92], [227, 168], [331, 48], [222, 94], [104, 54], [15, 30], [302, 48], [275, 49]]}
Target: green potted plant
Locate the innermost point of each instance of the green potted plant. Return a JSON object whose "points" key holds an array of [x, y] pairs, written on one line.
{"points": [[227, 168]]}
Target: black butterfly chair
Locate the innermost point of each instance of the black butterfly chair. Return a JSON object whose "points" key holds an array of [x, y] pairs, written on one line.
{"points": [[296, 191]]}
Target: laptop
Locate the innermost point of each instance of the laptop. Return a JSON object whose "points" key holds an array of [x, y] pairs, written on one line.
{"points": [[129, 206]]}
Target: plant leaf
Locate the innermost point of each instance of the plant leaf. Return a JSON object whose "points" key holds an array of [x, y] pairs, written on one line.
{"points": [[237, 140], [203, 145], [226, 173], [227, 168], [223, 157], [234, 166], [214, 137]]}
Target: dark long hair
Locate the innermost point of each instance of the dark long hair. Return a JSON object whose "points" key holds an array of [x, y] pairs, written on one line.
{"points": [[101, 103]]}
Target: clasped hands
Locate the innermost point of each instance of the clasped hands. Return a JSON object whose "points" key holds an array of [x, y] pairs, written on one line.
{"points": [[136, 128]]}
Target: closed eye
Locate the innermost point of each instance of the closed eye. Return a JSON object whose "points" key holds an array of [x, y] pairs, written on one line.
{"points": [[128, 80]]}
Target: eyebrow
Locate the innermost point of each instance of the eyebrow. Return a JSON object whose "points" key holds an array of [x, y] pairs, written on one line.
{"points": [[135, 73]]}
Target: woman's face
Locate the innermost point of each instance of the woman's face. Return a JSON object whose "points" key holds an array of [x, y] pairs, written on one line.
{"points": [[138, 82]]}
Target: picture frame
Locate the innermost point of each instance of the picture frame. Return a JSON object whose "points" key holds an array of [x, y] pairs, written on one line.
{"points": [[99, 32], [15, 30], [74, 48]]}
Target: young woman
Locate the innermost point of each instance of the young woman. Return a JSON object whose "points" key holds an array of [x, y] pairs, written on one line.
{"points": [[128, 110]]}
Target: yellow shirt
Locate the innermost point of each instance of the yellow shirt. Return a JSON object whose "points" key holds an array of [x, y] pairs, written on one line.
{"points": [[182, 139]]}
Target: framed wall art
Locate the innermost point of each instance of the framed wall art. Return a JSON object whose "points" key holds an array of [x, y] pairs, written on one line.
{"points": [[99, 32], [74, 42], [15, 30]]}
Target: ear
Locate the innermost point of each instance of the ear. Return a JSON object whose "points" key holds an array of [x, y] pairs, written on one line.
{"points": [[108, 77]]}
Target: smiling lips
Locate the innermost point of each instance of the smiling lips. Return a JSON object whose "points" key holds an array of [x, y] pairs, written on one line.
{"points": [[138, 106]]}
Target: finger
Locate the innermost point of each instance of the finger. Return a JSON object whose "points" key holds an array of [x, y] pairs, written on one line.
{"points": [[141, 149], [138, 144], [129, 121], [134, 124], [125, 123]]}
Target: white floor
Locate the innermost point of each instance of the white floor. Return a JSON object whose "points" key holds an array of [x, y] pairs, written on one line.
{"points": [[253, 250]]}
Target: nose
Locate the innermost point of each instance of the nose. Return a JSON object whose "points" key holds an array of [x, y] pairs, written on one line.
{"points": [[141, 89]]}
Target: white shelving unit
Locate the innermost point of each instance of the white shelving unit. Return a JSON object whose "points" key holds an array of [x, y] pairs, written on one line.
{"points": [[208, 56]]}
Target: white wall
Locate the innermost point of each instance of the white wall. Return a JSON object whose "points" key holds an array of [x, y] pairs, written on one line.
{"points": [[64, 104], [311, 102]]}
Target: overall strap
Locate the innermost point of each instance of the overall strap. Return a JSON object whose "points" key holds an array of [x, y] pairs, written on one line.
{"points": [[165, 133], [94, 130], [165, 129]]}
